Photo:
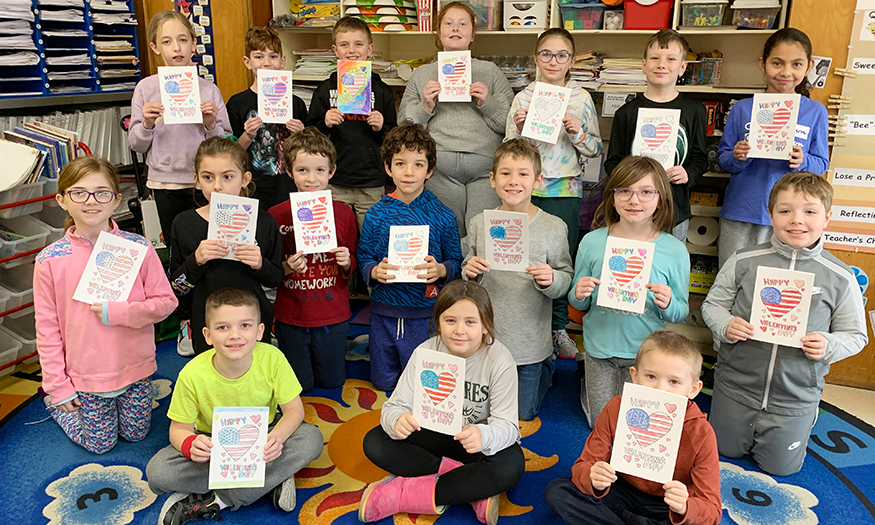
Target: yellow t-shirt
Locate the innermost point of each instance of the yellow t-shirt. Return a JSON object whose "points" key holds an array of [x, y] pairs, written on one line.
{"points": [[269, 382]]}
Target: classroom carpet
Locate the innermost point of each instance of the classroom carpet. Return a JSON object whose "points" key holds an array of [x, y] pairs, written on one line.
{"points": [[45, 478]]}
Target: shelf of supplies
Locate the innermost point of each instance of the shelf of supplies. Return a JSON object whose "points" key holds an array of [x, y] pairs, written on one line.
{"points": [[65, 100], [723, 30], [695, 249], [622, 88], [716, 175], [705, 211]]}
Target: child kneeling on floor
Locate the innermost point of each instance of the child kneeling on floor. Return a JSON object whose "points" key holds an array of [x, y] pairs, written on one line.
{"points": [[433, 470], [238, 371]]}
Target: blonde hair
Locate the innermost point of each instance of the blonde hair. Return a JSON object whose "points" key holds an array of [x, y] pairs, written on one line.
{"points": [[157, 23], [673, 344], [350, 24], [518, 149], [78, 168], [629, 171], [443, 12], [219, 146]]}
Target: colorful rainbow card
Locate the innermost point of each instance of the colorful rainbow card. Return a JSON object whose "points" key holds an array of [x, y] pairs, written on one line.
{"points": [[354, 87]]}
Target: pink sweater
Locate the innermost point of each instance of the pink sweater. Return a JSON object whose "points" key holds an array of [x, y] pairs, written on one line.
{"points": [[78, 353]]}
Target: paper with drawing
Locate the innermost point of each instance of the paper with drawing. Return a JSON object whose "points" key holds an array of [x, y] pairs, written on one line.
{"points": [[507, 240], [274, 96], [656, 134], [313, 217], [408, 247], [354, 87], [625, 274], [545, 114], [773, 125], [781, 302], [438, 391], [233, 220], [454, 75], [180, 95], [237, 457], [111, 270]]}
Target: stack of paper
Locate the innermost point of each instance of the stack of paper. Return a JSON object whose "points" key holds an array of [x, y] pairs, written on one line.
{"points": [[69, 75], [315, 62], [16, 27], [69, 60], [63, 15], [19, 162], [21, 58], [120, 86], [64, 32], [112, 45], [17, 42], [109, 5], [63, 3], [114, 18], [16, 10]]}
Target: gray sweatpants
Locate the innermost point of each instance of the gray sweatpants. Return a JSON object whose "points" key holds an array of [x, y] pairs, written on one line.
{"points": [[170, 471], [603, 380], [735, 235], [775, 442], [461, 182]]}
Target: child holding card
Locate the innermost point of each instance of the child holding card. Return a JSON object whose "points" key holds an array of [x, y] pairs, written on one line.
{"points": [[744, 221], [466, 133], [170, 149], [523, 299], [561, 191], [197, 267], [312, 305], [596, 493], [432, 470], [637, 206], [264, 141], [766, 395], [238, 372], [400, 312], [97, 359]]}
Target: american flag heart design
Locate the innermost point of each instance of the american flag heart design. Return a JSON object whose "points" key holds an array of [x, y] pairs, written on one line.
{"points": [[546, 108], [354, 82], [238, 442], [111, 267], [505, 237], [454, 70], [231, 224], [772, 121], [648, 428], [624, 270], [274, 93], [654, 136], [438, 387], [407, 248], [178, 91], [312, 217], [779, 302]]}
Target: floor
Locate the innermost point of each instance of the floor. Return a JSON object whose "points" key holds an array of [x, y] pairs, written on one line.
{"points": [[855, 401]]}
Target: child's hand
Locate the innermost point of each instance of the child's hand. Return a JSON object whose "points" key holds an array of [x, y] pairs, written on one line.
{"points": [[381, 271], [406, 425], [677, 175], [341, 256], [333, 117], [297, 262], [585, 286], [479, 91], [375, 120], [294, 125], [272, 448], [738, 330], [433, 270], [796, 156], [250, 255], [210, 249], [572, 125], [210, 112], [676, 496], [476, 266], [661, 294], [97, 308], [602, 475], [250, 127], [542, 273], [519, 118], [70, 406], [430, 92], [470, 438], [151, 112], [741, 149], [814, 346], [200, 449]]}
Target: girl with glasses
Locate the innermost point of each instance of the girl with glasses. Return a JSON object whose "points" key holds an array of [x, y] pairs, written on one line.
{"points": [[637, 205]]}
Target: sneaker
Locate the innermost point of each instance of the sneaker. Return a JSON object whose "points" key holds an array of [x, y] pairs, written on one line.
{"points": [[183, 340], [284, 495], [564, 344], [181, 508]]}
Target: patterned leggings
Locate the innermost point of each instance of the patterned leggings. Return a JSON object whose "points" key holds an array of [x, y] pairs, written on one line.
{"points": [[100, 420]]}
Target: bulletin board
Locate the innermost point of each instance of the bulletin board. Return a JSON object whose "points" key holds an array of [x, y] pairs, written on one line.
{"points": [[199, 12]]}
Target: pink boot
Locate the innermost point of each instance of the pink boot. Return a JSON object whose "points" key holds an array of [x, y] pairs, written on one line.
{"points": [[394, 494], [486, 509]]}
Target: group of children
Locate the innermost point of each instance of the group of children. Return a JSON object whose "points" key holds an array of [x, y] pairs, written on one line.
{"points": [[98, 359]]}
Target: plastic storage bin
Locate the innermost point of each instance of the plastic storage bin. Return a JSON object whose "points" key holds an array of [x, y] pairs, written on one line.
{"points": [[703, 13], [34, 232], [648, 14], [51, 188], [52, 217], [18, 283], [582, 16], [525, 15], [9, 349], [487, 13], [4, 299], [755, 14], [23, 330], [22, 193]]}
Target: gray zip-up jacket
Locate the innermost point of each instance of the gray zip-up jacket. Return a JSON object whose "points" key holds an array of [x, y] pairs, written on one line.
{"points": [[781, 379]]}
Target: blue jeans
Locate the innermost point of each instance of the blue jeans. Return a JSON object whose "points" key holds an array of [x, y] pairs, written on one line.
{"points": [[534, 381], [317, 354]]}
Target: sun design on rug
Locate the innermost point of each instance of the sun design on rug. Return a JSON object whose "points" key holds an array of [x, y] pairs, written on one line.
{"points": [[346, 471]]}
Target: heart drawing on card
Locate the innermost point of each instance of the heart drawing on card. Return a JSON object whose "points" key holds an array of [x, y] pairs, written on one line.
{"points": [[178, 91], [654, 136], [354, 82], [546, 107], [438, 387], [312, 217], [505, 237], [779, 302], [454, 71], [772, 121], [648, 428], [407, 248], [111, 267], [231, 224], [237, 442], [623, 269], [274, 93]]}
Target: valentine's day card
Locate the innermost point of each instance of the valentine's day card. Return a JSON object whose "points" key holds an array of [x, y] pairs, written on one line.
{"points": [[233, 220], [354, 87], [625, 274], [656, 134], [648, 433], [274, 96], [111, 270], [237, 456], [773, 125], [454, 74], [313, 217], [544, 118], [408, 247], [438, 395], [507, 240], [781, 301], [180, 95]]}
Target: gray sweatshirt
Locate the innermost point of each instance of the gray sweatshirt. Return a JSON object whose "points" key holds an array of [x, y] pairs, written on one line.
{"points": [[524, 309], [490, 395]]}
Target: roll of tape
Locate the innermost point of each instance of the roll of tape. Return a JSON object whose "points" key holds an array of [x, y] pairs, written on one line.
{"points": [[703, 231]]}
